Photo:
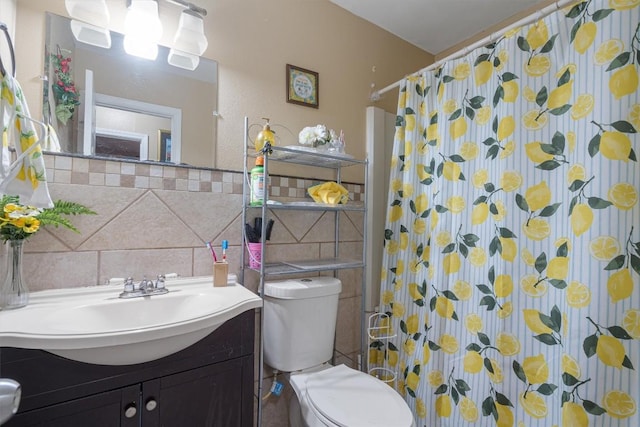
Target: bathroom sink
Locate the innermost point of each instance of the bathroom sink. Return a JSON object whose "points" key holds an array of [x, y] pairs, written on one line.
{"points": [[93, 325]]}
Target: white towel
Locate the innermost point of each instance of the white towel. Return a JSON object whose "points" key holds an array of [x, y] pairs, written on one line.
{"points": [[26, 176]]}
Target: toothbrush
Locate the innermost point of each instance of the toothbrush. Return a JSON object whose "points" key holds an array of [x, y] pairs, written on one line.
{"points": [[225, 246], [213, 253]]}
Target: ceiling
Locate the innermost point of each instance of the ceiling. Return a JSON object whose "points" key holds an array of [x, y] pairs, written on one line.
{"points": [[436, 25]]}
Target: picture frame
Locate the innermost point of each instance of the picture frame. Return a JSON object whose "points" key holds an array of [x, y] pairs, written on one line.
{"points": [[303, 86], [164, 142]]}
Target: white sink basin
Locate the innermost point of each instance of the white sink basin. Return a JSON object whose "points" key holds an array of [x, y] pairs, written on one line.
{"points": [[93, 325]]}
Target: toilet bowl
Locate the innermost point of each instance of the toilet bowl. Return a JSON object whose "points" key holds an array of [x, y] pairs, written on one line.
{"points": [[338, 396], [299, 331]]}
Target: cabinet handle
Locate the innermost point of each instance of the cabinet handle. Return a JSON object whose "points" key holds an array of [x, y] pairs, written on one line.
{"points": [[151, 405], [130, 411]]}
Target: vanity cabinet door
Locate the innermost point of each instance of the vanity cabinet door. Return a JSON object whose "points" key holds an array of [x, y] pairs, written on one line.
{"points": [[109, 409], [214, 395]]}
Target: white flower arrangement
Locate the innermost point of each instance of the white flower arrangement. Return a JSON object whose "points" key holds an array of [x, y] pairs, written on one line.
{"points": [[317, 135]]}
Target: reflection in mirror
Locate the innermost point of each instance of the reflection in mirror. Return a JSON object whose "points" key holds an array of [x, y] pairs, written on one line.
{"points": [[130, 107]]}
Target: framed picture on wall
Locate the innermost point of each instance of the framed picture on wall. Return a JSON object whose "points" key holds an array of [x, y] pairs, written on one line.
{"points": [[164, 139], [302, 86]]}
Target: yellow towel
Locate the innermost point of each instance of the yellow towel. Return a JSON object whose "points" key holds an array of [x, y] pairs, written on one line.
{"points": [[330, 193]]}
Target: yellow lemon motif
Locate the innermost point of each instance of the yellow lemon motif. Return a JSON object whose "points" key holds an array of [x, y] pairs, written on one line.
{"points": [[620, 285], [624, 81], [533, 322], [503, 56], [604, 248], [443, 406], [503, 286], [483, 115], [462, 71], [607, 51], [571, 67], [631, 322], [443, 238], [535, 154], [623, 195], [392, 357], [448, 343], [421, 408], [479, 178], [477, 257], [537, 66], [462, 289], [435, 378], [510, 181], [444, 307], [560, 95], [506, 127], [432, 132], [511, 90], [496, 376], [585, 36], [619, 404], [578, 295], [536, 229], [473, 323], [558, 268], [534, 120], [538, 196], [530, 286], [482, 72], [529, 94], [634, 116], [576, 172], [469, 150], [581, 219], [458, 127], [508, 150], [455, 204], [610, 351], [502, 211], [506, 310], [583, 106], [533, 404], [451, 171], [615, 146], [571, 139], [451, 263], [536, 369], [422, 203], [409, 346], [412, 380], [623, 4], [528, 257], [537, 35], [395, 213], [507, 344], [480, 213], [505, 416], [509, 249], [570, 366], [574, 415], [449, 106], [468, 410], [412, 324]]}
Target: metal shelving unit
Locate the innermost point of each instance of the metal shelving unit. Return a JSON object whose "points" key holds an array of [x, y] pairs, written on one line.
{"points": [[304, 157]]}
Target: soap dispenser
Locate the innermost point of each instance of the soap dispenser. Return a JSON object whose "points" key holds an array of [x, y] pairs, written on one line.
{"points": [[264, 136]]}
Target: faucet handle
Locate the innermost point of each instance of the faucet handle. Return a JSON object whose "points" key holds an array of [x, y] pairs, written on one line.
{"points": [[160, 281], [129, 285]]}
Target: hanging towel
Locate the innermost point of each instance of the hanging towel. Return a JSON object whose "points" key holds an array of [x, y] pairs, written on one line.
{"points": [[26, 176]]}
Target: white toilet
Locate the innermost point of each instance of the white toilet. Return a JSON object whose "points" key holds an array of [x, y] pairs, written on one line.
{"points": [[299, 327]]}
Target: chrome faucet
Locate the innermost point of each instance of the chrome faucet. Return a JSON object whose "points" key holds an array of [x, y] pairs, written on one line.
{"points": [[145, 288]]}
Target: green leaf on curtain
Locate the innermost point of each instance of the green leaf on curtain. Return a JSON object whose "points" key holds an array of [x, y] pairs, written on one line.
{"points": [[517, 369], [623, 126], [589, 345], [507, 77], [560, 110], [494, 125], [556, 318], [566, 396], [506, 233], [577, 10], [418, 89], [450, 295], [619, 332], [433, 346], [598, 203], [493, 151], [617, 263], [627, 363], [455, 396], [619, 61], [496, 62], [564, 78], [493, 209], [632, 155], [548, 46], [547, 389], [432, 303], [441, 209], [548, 321], [558, 284], [563, 250], [409, 111], [464, 251], [476, 102], [592, 407], [498, 95], [558, 141], [489, 188], [470, 239], [569, 379], [388, 234], [470, 113], [455, 114], [547, 339], [434, 119], [448, 79], [635, 263], [419, 303], [416, 369], [522, 202], [412, 206], [481, 58], [576, 185], [541, 262], [489, 408], [457, 158], [403, 326], [484, 289], [523, 44], [594, 145], [542, 96], [489, 301], [574, 202], [426, 213], [492, 275], [503, 400], [550, 210], [487, 365], [495, 246], [443, 388], [549, 165], [484, 339], [399, 121], [417, 335], [574, 30], [473, 347], [462, 387], [481, 199], [490, 141]]}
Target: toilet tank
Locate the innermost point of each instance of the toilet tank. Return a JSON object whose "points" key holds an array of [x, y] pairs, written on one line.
{"points": [[300, 322]]}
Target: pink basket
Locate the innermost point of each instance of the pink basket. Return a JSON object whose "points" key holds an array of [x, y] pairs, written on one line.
{"points": [[255, 254]]}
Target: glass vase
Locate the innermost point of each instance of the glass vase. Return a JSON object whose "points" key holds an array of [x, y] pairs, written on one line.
{"points": [[14, 292]]}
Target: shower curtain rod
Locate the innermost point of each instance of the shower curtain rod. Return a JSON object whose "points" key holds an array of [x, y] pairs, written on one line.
{"points": [[490, 38]]}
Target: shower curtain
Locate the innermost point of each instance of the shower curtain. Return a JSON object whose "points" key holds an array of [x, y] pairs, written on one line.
{"points": [[512, 243]]}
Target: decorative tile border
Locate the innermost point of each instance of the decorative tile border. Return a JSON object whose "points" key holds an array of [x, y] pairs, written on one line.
{"points": [[64, 169]]}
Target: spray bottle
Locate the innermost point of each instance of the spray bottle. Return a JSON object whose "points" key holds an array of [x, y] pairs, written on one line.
{"points": [[264, 136], [257, 183]]}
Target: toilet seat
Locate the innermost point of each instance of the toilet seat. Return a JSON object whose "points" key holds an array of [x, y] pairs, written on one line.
{"points": [[344, 397]]}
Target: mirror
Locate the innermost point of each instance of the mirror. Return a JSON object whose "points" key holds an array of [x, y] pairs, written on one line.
{"points": [[129, 107]]}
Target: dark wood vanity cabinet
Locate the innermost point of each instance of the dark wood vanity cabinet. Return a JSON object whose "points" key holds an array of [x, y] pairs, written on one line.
{"points": [[210, 383]]}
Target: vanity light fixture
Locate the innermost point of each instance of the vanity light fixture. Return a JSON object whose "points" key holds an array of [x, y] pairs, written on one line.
{"points": [[90, 21], [142, 28], [189, 42]]}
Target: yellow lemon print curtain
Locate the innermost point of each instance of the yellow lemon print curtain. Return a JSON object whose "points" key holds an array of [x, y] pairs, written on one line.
{"points": [[512, 245]]}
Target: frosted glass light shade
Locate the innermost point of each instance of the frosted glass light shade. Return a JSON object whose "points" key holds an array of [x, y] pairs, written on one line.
{"points": [[142, 20], [183, 60], [94, 12], [91, 34], [140, 47], [190, 36]]}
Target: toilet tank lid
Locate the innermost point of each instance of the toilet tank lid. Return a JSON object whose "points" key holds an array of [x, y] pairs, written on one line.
{"points": [[308, 287]]}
